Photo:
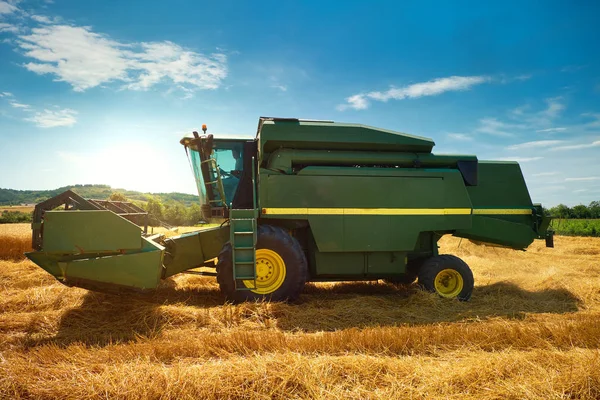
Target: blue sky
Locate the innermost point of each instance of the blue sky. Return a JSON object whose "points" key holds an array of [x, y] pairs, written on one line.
{"points": [[102, 91]]}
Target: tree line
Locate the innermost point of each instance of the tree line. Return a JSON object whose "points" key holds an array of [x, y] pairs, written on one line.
{"points": [[12, 197], [581, 211], [171, 212], [176, 213], [15, 217]]}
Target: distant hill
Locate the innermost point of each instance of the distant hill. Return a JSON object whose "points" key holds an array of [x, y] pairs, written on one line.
{"points": [[16, 197]]}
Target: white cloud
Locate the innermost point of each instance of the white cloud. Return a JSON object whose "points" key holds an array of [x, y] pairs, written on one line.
{"points": [[551, 130], [5, 27], [430, 88], [492, 126], [535, 144], [572, 68], [551, 188], [76, 55], [48, 118], [54, 118], [42, 19], [283, 88], [555, 107], [519, 159], [546, 174], [523, 77], [585, 178], [577, 146], [459, 136], [523, 120], [86, 59], [518, 112], [169, 60], [592, 124], [7, 8], [541, 120], [357, 101], [20, 105]]}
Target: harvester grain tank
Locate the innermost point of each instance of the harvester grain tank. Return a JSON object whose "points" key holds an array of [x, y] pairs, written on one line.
{"points": [[302, 201]]}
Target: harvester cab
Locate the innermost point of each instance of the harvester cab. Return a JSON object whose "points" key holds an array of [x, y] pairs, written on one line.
{"points": [[302, 201], [218, 165]]}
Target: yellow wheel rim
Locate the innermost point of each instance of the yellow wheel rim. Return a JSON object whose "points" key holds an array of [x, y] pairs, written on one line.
{"points": [[448, 283], [270, 272]]}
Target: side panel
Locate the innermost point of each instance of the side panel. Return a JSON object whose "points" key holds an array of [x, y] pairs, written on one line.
{"points": [[346, 264], [503, 211], [137, 270], [358, 265], [133, 269], [88, 232], [192, 249], [501, 185], [368, 209], [385, 263], [329, 136]]}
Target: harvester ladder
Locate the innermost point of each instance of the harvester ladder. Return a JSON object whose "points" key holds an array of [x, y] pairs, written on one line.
{"points": [[244, 231], [243, 248]]}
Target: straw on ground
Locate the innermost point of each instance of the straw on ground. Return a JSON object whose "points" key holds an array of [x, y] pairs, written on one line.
{"points": [[530, 331]]}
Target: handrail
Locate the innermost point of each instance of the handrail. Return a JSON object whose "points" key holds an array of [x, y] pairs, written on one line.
{"points": [[254, 200]]}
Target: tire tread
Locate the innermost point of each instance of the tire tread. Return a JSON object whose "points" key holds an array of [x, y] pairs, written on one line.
{"points": [[296, 268], [433, 265]]}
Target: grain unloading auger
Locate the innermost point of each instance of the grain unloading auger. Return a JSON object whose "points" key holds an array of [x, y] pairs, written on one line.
{"points": [[303, 201]]}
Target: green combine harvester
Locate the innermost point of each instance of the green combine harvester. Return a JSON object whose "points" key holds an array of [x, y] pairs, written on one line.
{"points": [[302, 201]]}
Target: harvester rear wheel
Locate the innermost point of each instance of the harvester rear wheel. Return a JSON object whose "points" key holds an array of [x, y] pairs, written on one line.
{"points": [[281, 268], [448, 276]]}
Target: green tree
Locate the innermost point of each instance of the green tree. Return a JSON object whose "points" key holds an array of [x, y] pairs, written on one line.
{"points": [[194, 214], [12, 217], [594, 209], [116, 196], [581, 211], [561, 211], [175, 214], [155, 209]]}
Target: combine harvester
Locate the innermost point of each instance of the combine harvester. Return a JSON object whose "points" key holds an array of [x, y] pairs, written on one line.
{"points": [[303, 201]]}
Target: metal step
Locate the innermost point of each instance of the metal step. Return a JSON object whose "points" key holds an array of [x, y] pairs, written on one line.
{"points": [[243, 240]]}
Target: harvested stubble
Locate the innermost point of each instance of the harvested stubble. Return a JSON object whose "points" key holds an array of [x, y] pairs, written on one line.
{"points": [[530, 331], [15, 239]]}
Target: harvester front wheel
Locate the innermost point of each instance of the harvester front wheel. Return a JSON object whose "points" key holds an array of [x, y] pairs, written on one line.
{"points": [[281, 269], [448, 276]]}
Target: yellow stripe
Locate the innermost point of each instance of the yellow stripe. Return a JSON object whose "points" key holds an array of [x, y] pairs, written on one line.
{"points": [[406, 211], [394, 211], [366, 211], [285, 211], [501, 211]]}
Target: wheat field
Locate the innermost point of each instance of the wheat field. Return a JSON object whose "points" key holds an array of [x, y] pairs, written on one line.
{"points": [[531, 330]]}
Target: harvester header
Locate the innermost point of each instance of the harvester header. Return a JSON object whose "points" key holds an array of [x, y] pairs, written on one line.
{"points": [[304, 200]]}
